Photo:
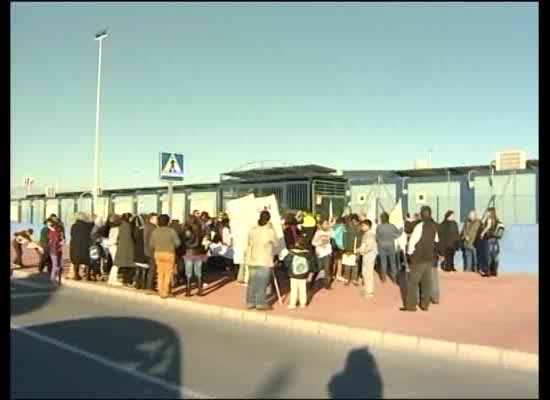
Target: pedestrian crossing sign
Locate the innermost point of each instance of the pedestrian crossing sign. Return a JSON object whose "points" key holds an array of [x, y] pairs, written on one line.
{"points": [[171, 166]]}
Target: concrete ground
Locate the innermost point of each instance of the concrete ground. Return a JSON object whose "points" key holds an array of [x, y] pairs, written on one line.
{"points": [[69, 343], [499, 312]]}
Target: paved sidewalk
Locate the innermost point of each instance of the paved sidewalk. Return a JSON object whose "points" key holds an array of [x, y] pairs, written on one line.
{"points": [[498, 312]]}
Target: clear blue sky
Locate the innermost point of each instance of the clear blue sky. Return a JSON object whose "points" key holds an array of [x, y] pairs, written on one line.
{"points": [[352, 86]]}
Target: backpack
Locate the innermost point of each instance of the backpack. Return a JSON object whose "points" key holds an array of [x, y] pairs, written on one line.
{"points": [[299, 266]]}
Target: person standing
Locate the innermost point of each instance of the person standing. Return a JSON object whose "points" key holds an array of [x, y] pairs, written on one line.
{"points": [[298, 265], [163, 243], [337, 233], [386, 234], [469, 236], [150, 225], [493, 229], [112, 245], [423, 244], [449, 236], [79, 246], [195, 253], [56, 241], [262, 244], [126, 249], [323, 250], [352, 241], [45, 262], [140, 259], [309, 227], [369, 251]]}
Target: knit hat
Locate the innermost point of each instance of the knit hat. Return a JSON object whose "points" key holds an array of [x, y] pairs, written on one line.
{"points": [[309, 221]]}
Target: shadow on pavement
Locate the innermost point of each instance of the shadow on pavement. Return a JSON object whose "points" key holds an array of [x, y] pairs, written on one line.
{"points": [[37, 283], [67, 359], [273, 387], [360, 378]]}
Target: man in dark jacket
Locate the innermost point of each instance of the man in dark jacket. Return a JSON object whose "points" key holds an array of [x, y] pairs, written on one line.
{"points": [[423, 245], [79, 247], [45, 257]]}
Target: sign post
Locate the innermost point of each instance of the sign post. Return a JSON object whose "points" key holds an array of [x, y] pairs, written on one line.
{"points": [[170, 197], [171, 169]]}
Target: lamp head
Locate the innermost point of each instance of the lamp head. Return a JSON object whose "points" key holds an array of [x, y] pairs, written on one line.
{"points": [[101, 35]]}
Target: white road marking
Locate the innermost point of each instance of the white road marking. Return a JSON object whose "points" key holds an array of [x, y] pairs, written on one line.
{"points": [[24, 295], [182, 390]]}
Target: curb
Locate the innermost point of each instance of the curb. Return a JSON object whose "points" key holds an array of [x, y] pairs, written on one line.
{"points": [[493, 356]]}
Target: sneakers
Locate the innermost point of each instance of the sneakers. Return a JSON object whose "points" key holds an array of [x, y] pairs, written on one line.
{"points": [[292, 307]]}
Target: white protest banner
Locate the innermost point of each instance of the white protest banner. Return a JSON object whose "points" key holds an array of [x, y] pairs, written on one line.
{"points": [[269, 203], [371, 213], [242, 214], [396, 219]]}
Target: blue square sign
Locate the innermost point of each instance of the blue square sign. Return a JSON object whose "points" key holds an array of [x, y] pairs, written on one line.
{"points": [[171, 166]]}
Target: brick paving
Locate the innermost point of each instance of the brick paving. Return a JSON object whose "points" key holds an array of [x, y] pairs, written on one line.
{"points": [[499, 312]]}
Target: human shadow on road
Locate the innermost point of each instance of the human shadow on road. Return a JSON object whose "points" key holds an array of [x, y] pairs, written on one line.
{"points": [[95, 357], [274, 385], [360, 378]]}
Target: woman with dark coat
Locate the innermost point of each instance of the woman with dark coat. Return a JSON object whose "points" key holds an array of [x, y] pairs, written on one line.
{"points": [[449, 237], [140, 259], [79, 246], [126, 249], [179, 270]]}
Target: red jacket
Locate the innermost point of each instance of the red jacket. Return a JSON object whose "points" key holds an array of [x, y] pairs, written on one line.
{"points": [[55, 240]]}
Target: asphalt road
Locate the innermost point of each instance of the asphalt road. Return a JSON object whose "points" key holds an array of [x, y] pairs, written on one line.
{"points": [[67, 343]]}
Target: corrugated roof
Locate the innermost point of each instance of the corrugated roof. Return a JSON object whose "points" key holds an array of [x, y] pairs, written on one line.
{"points": [[298, 170]]}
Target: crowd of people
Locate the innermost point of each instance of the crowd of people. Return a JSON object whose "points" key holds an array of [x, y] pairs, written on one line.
{"points": [[154, 253]]}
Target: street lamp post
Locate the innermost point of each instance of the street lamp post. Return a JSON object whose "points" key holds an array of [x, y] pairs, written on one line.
{"points": [[99, 37]]}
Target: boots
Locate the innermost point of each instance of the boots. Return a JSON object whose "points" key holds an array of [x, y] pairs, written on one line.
{"points": [[188, 287], [88, 273], [140, 282], [76, 272], [200, 286]]}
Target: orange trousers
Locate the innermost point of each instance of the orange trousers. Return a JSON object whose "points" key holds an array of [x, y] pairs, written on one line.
{"points": [[165, 269]]}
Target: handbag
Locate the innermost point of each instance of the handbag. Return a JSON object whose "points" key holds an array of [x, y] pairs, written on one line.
{"points": [[350, 258]]}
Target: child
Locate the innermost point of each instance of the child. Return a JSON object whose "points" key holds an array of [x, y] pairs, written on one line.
{"points": [[369, 251], [323, 250], [298, 264], [352, 239], [337, 232], [56, 241]]}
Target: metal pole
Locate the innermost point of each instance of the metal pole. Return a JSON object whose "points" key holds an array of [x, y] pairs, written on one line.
{"points": [[170, 197], [515, 198], [96, 149]]}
